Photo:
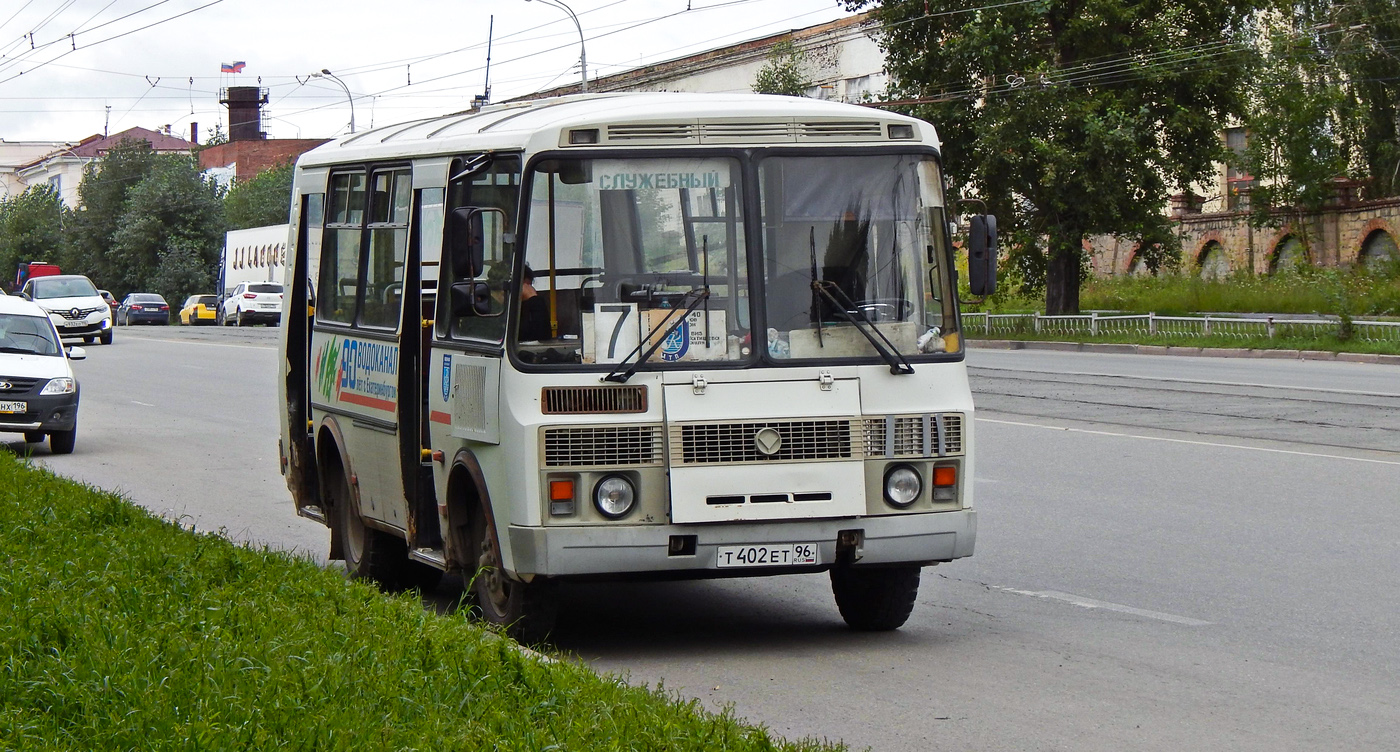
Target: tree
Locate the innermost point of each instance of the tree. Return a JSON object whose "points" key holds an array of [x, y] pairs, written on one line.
{"points": [[1071, 117], [783, 72], [264, 200], [216, 136], [1301, 124], [169, 235], [102, 197], [149, 222], [1363, 38], [1323, 105], [31, 227]]}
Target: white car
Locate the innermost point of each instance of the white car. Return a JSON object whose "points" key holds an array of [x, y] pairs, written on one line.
{"points": [[38, 392], [74, 305], [251, 303]]}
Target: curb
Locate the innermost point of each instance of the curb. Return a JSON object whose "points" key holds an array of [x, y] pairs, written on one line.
{"points": [[1205, 352]]}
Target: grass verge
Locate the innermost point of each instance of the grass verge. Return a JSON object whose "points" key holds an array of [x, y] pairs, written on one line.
{"points": [[122, 631]]}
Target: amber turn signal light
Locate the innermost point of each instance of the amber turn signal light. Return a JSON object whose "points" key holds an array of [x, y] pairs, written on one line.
{"points": [[945, 476]]}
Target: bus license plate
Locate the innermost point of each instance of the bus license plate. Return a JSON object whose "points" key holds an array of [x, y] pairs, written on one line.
{"points": [[766, 555], [14, 407]]}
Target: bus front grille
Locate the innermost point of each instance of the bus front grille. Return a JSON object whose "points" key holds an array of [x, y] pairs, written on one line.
{"points": [[934, 435], [729, 443], [602, 446]]}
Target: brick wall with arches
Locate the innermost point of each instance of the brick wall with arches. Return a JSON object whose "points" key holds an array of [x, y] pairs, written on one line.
{"points": [[1337, 236]]}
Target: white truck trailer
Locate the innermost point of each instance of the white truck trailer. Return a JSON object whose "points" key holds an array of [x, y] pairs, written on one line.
{"points": [[257, 254]]}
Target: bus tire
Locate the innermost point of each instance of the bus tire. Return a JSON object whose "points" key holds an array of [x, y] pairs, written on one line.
{"points": [[875, 599], [527, 610], [369, 553]]}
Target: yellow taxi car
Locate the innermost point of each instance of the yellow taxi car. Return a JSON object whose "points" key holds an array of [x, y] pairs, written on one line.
{"points": [[200, 309]]}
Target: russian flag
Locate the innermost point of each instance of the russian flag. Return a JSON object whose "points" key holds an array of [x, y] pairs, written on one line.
{"points": [[235, 67]]}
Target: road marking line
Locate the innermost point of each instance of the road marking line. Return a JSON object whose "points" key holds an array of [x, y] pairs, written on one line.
{"points": [[206, 344], [143, 404], [1189, 441], [1083, 602]]}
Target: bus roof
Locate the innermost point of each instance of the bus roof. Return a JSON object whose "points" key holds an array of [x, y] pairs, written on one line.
{"points": [[628, 120]]}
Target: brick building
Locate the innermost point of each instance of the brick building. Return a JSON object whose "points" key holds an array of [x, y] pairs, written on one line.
{"points": [[241, 160], [249, 151]]}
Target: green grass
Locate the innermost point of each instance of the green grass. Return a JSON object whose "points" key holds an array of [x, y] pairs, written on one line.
{"points": [[1311, 292], [122, 631]]}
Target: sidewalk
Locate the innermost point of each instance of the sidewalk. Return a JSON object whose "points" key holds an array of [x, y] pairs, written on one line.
{"points": [[1208, 352]]}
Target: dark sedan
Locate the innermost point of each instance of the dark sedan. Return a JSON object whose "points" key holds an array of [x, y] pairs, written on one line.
{"points": [[143, 308]]}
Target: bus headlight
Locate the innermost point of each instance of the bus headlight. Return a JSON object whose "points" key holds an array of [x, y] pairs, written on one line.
{"points": [[614, 497], [902, 486]]}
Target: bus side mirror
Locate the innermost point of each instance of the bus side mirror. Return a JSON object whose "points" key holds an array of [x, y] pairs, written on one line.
{"points": [[465, 246], [474, 236], [470, 299], [982, 255]]}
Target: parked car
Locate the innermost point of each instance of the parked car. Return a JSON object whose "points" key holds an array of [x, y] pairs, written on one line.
{"points": [[73, 304], [253, 302], [200, 309], [143, 308], [38, 392], [111, 299]]}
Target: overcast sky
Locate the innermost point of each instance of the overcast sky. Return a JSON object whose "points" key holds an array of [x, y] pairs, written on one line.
{"points": [[157, 62]]}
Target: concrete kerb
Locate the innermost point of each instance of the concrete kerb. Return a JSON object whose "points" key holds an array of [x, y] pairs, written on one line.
{"points": [[1208, 352]]}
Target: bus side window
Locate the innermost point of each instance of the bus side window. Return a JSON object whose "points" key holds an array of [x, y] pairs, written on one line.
{"points": [[340, 249]]}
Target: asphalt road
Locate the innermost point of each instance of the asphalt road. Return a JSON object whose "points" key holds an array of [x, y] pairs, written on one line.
{"points": [[1173, 553]]}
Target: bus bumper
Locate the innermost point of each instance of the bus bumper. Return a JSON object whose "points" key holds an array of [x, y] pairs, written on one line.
{"points": [[636, 549]]}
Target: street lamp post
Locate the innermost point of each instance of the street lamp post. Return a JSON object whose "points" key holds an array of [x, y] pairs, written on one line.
{"points": [[582, 53], [327, 74]]}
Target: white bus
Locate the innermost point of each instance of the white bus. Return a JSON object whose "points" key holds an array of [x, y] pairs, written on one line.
{"points": [[632, 335]]}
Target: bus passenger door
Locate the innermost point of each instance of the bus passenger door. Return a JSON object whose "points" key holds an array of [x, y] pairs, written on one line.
{"points": [[297, 450], [415, 454]]}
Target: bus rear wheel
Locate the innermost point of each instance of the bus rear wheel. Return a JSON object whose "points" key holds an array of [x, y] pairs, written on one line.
{"points": [[876, 599], [527, 610], [369, 553]]}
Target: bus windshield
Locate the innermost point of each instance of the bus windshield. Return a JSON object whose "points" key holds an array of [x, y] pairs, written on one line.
{"points": [[852, 243], [617, 249]]}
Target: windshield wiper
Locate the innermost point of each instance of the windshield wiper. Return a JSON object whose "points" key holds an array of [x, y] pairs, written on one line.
{"points": [[824, 288], [701, 296], [852, 313], [19, 350]]}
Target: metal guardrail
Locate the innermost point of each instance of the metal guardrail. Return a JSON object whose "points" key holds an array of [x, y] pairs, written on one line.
{"points": [[1151, 325]]}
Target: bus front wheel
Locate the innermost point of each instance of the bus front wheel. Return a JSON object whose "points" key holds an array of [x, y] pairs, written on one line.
{"points": [[526, 609], [875, 599]]}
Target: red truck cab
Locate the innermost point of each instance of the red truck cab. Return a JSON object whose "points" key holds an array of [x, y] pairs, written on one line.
{"points": [[29, 269]]}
